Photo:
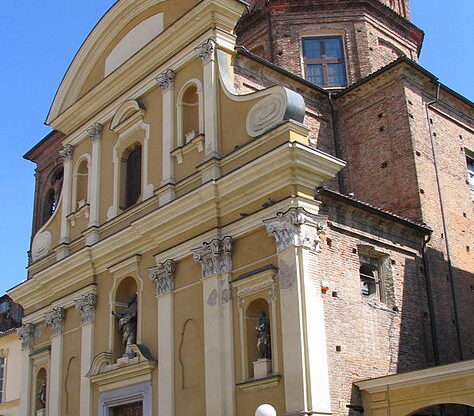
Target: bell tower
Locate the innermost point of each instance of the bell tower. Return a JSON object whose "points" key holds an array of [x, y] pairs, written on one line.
{"points": [[331, 43]]}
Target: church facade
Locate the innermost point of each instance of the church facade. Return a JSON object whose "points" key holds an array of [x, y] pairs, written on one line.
{"points": [[246, 204]]}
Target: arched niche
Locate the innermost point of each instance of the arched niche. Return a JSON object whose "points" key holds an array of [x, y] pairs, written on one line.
{"points": [[256, 311], [190, 116], [81, 182], [125, 294], [41, 391]]}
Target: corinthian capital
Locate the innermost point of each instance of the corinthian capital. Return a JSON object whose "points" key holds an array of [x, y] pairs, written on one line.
{"points": [[95, 131], [163, 277], [166, 80], [296, 227], [26, 335], [55, 320], [86, 305], [66, 152], [215, 257], [206, 51]]}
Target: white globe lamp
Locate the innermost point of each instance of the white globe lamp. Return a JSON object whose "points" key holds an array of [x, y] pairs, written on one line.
{"points": [[265, 410]]}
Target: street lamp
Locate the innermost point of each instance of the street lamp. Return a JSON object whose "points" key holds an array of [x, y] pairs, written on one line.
{"points": [[265, 410]]}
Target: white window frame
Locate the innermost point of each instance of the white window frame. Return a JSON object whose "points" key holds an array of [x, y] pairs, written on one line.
{"points": [[112, 399]]}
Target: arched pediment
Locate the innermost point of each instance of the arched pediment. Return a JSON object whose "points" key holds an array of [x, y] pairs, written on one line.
{"points": [[127, 27]]}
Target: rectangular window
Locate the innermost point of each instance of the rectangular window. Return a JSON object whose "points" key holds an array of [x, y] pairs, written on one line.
{"points": [[470, 174], [369, 277], [324, 62], [2, 379]]}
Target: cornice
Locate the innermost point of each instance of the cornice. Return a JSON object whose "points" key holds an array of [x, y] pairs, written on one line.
{"points": [[416, 378], [292, 163]]}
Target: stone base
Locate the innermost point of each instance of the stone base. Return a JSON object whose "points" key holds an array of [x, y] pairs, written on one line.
{"points": [[41, 412], [262, 368]]}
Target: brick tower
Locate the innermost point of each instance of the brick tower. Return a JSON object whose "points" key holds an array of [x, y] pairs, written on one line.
{"points": [[332, 43]]}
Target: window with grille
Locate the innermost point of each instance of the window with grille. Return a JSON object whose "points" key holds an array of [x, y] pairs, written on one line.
{"points": [[470, 174], [324, 62], [369, 277]]}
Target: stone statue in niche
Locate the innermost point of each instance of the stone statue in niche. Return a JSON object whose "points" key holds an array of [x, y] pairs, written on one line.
{"points": [[128, 324], [42, 395], [264, 346]]}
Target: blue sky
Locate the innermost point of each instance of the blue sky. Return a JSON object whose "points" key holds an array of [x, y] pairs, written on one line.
{"points": [[38, 40]]}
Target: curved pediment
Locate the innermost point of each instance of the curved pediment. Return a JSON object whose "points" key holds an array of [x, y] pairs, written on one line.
{"points": [[124, 30]]}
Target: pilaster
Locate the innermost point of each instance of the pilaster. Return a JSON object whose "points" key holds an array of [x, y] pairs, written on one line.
{"points": [[166, 82], [216, 265], [55, 320], [66, 153], [26, 335], [95, 134], [163, 277], [207, 53], [86, 306], [297, 234]]}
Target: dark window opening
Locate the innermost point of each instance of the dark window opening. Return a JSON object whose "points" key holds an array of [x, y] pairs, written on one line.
{"points": [[133, 181], [470, 174], [368, 280], [324, 61], [52, 195]]}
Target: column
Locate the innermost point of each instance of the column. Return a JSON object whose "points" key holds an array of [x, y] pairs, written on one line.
{"points": [[216, 263], [66, 153], [55, 320], [26, 335], [163, 277], [86, 306], [305, 360], [166, 82], [207, 54], [95, 134]]}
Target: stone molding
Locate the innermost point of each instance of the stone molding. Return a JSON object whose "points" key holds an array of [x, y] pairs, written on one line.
{"points": [[86, 306], [206, 51], [55, 320], [163, 277], [166, 80], [296, 228], [95, 131], [215, 257], [66, 152], [26, 334]]}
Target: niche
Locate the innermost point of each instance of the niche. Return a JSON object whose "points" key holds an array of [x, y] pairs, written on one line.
{"points": [[190, 124], [81, 179], [41, 392], [125, 311], [258, 336]]}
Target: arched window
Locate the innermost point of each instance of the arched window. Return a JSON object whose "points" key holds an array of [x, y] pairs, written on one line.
{"points": [[52, 194], [82, 184], [132, 180], [190, 122]]}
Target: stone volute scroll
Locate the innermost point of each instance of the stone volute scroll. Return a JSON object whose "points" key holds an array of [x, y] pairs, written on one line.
{"points": [[26, 334], [206, 51], [296, 227], [163, 277], [55, 320], [86, 306], [166, 80], [215, 257]]}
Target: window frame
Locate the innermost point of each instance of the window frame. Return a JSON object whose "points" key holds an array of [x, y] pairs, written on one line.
{"points": [[323, 61], [3, 379], [470, 172]]}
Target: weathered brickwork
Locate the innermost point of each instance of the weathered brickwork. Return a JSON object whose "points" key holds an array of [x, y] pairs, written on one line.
{"points": [[369, 339]]}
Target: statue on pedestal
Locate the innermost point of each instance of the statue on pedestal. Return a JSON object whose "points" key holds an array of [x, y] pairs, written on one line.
{"points": [[128, 323], [264, 346], [42, 395]]}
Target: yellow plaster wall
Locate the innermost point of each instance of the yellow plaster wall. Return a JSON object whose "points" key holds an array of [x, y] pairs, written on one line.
{"points": [[10, 348], [71, 367], [172, 11], [109, 139], [189, 344], [103, 314]]}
